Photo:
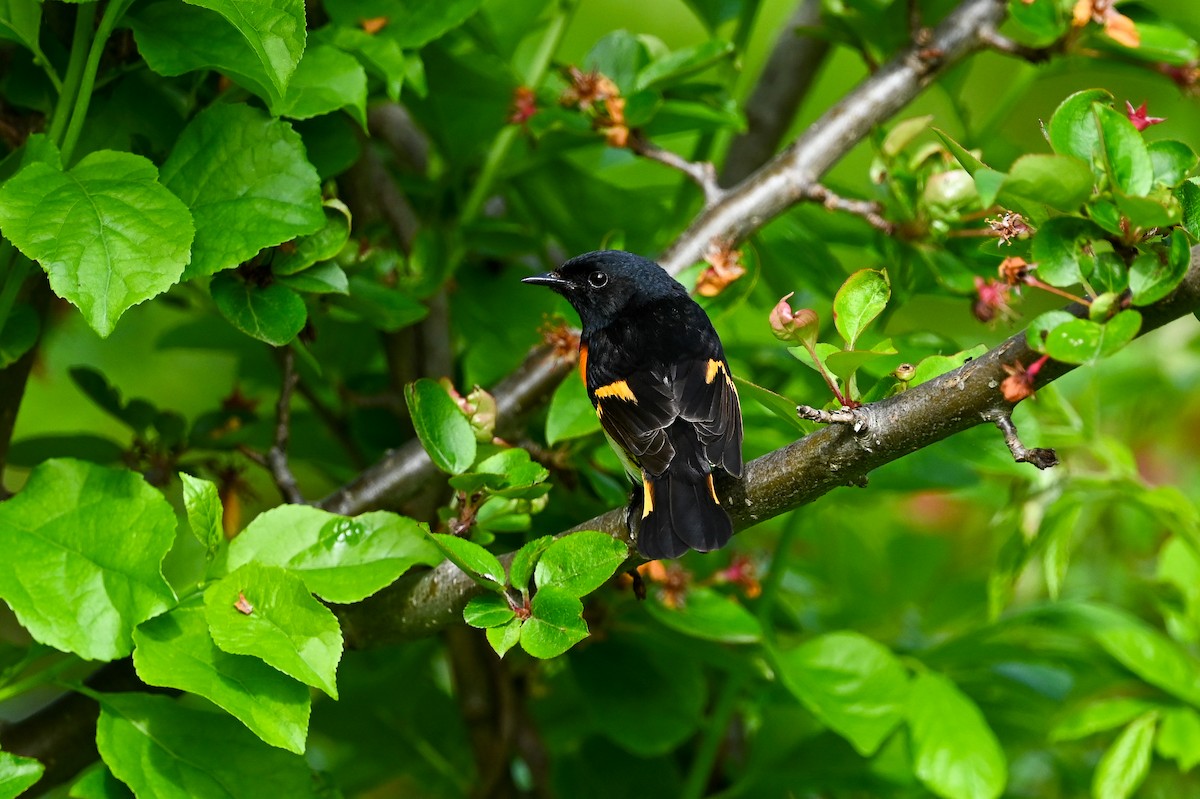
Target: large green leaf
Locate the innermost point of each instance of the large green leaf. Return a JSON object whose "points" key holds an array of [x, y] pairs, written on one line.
{"points": [[268, 612], [955, 753], [248, 183], [175, 650], [162, 748], [1060, 181], [165, 33], [326, 80], [1072, 129], [709, 615], [571, 413], [274, 29], [1179, 737], [852, 684], [1125, 155], [474, 561], [83, 549], [340, 559], [108, 234]]}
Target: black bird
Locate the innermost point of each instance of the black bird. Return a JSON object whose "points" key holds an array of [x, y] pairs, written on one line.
{"points": [[658, 379]]}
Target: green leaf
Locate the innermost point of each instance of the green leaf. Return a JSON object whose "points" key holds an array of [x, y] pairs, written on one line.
{"points": [[1058, 247], [488, 610], [175, 650], [204, 512], [777, 404], [1188, 195], [1062, 182], [852, 684], [1039, 329], [98, 782], [20, 333], [674, 66], [709, 615], [1072, 127], [441, 425], [1085, 341], [340, 559], [106, 232], [273, 313], [989, 182], [274, 30], [509, 473], [21, 21], [326, 80], [966, 159], [1126, 158], [102, 533], [18, 773], [504, 637], [1099, 716], [571, 413], [903, 133], [844, 363], [166, 37], [521, 569], [1154, 275], [955, 753], [933, 366], [475, 561], [1042, 19], [285, 625], [421, 23], [326, 278], [160, 747], [555, 624], [714, 13], [1138, 647], [1172, 161], [382, 307], [1179, 737], [248, 183], [323, 245], [580, 563], [861, 298], [32, 451], [1124, 766], [1161, 209]]}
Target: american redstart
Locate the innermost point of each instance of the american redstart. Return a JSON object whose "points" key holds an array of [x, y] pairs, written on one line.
{"points": [[658, 379]]}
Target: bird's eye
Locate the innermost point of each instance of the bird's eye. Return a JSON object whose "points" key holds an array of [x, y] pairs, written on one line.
{"points": [[598, 280]]}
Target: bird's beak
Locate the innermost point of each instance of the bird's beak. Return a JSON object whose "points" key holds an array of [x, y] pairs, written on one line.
{"points": [[549, 279]]}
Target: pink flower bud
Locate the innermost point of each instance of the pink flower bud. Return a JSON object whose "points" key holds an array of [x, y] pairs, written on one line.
{"points": [[794, 326]]}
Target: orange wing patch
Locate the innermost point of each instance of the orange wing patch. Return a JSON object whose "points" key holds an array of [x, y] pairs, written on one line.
{"points": [[712, 490], [583, 350], [618, 390], [648, 496]]}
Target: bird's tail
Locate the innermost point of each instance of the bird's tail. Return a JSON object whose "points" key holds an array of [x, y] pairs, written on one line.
{"points": [[678, 511]]}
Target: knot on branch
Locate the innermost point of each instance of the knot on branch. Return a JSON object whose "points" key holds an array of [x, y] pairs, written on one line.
{"points": [[1039, 457]]}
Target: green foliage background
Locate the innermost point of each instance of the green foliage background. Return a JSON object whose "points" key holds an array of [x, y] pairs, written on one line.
{"points": [[965, 626]]}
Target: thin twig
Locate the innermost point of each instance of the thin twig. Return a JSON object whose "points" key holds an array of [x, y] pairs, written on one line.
{"points": [[701, 173], [870, 211], [1041, 458], [276, 459]]}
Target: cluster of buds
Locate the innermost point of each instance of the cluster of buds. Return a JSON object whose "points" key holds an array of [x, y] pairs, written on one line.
{"points": [[1186, 77], [991, 300], [524, 105], [742, 572], [595, 93], [480, 409], [1117, 26], [724, 267], [671, 579], [1009, 226], [560, 337]]}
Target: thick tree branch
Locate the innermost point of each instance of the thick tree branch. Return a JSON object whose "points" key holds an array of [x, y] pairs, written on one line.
{"points": [[787, 177], [783, 480], [781, 88], [403, 472]]}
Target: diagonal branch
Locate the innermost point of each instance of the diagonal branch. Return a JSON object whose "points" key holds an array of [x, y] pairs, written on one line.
{"points": [[787, 178], [783, 480]]}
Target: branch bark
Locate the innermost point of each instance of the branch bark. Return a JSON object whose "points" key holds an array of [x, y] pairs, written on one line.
{"points": [[787, 178], [783, 480]]}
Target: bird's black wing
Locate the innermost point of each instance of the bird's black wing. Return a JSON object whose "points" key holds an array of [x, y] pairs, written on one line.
{"points": [[707, 398], [635, 411]]}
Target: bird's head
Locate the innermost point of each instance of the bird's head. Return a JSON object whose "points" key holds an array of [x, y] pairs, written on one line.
{"points": [[600, 285]]}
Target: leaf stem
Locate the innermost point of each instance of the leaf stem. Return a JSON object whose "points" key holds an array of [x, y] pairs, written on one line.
{"points": [[15, 268], [44, 677], [731, 691], [112, 14], [85, 16]]}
